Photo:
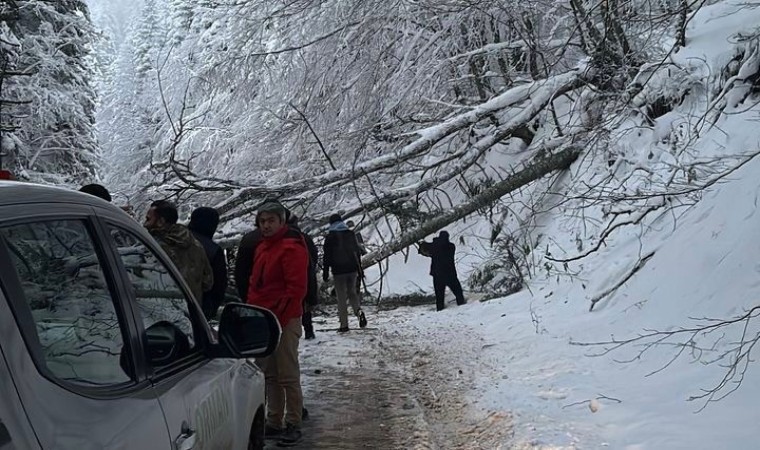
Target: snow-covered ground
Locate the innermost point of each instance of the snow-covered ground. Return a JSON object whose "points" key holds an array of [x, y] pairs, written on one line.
{"points": [[519, 352]]}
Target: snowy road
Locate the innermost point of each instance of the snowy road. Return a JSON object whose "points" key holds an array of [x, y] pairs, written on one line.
{"points": [[390, 387]]}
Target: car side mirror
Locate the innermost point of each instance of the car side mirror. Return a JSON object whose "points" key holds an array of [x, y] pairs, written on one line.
{"points": [[166, 343], [248, 331]]}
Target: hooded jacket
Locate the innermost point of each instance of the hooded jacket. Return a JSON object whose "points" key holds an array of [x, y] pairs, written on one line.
{"points": [[342, 253], [312, 294], [279, 278], [244, 261], [188, 255], [203, 228]]}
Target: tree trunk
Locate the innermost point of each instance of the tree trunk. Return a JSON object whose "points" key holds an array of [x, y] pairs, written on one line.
{"points": [[536, 170], [683, 15]]}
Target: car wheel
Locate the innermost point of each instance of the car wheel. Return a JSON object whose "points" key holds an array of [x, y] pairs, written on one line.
{"points": [[256, 441]]}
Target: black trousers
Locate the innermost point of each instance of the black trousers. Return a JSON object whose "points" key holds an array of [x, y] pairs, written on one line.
{"points": [[308, 326], [440, 283], [210, 308]]}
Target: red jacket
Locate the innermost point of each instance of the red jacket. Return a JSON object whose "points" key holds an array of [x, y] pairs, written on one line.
{"points": [[279, 278]]}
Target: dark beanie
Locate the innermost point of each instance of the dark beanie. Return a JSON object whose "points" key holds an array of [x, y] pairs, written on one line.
{"points": [[97, 190], [204, 220], [444, 235], [335, 218]]}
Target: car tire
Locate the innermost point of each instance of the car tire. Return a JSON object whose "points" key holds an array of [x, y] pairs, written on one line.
{"points": [[256, 441]]}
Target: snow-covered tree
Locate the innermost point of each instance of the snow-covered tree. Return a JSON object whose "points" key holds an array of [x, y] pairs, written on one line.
{"points": [[55, 138], [387, 109]]}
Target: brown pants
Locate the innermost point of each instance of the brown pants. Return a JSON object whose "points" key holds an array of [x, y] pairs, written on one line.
{"points": [[283, 379], [345, 290]]}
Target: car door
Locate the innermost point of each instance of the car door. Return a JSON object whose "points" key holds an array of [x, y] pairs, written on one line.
{"points": [[69, 343], [208, 403], [15, 430]]}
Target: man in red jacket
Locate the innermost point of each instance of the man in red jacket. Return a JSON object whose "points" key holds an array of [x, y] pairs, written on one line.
{"points": [[279, 282]]}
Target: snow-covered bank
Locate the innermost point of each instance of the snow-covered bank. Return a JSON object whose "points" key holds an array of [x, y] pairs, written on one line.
{"points": [[522, 360], [688, 263]]}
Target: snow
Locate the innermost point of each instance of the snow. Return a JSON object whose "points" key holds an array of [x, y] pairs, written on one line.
{"points": [[521, 353]]}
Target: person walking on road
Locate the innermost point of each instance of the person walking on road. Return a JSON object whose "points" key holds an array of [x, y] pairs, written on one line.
{"points": [[279, 282], [443, 268], [342, 256]]}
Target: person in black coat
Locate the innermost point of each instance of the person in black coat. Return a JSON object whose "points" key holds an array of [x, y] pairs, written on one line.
{"points": [[443, 268], [342, 257], [203, 224], [312, 293], [244, 262]]}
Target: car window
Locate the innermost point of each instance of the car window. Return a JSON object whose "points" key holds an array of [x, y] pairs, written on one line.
{"points": [[65, 289], [161, 302]]}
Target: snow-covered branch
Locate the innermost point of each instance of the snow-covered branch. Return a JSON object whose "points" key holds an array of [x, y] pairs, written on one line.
{"points": [[535, 170]]}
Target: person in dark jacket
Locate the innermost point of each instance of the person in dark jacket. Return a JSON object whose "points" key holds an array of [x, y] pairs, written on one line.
{"points": [[359, 238], [203, 224], [443, 268], [342, 256], [312, 294], [178, 242], [244, 261], [98, 190]]}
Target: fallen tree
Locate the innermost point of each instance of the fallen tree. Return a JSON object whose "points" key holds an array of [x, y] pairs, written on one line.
{"points": [[537, 169], [537, 95]]}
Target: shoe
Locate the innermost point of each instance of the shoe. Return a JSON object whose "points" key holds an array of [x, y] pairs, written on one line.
{"points": [[343, 330], [271, 432], [290, 437], [309, 335], [362, 319]]}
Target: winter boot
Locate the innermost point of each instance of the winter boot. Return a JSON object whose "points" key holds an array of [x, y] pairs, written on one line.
{"points": [[271, 432], [362, 319], [290, 437]]}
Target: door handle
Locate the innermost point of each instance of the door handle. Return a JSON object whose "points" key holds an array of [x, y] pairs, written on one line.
{"points": [[186, 440]]}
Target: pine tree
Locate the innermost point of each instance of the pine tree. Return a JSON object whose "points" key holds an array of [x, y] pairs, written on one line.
{"points": [[55, 137], [149, 38], [182, 18], [9, 53]]}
